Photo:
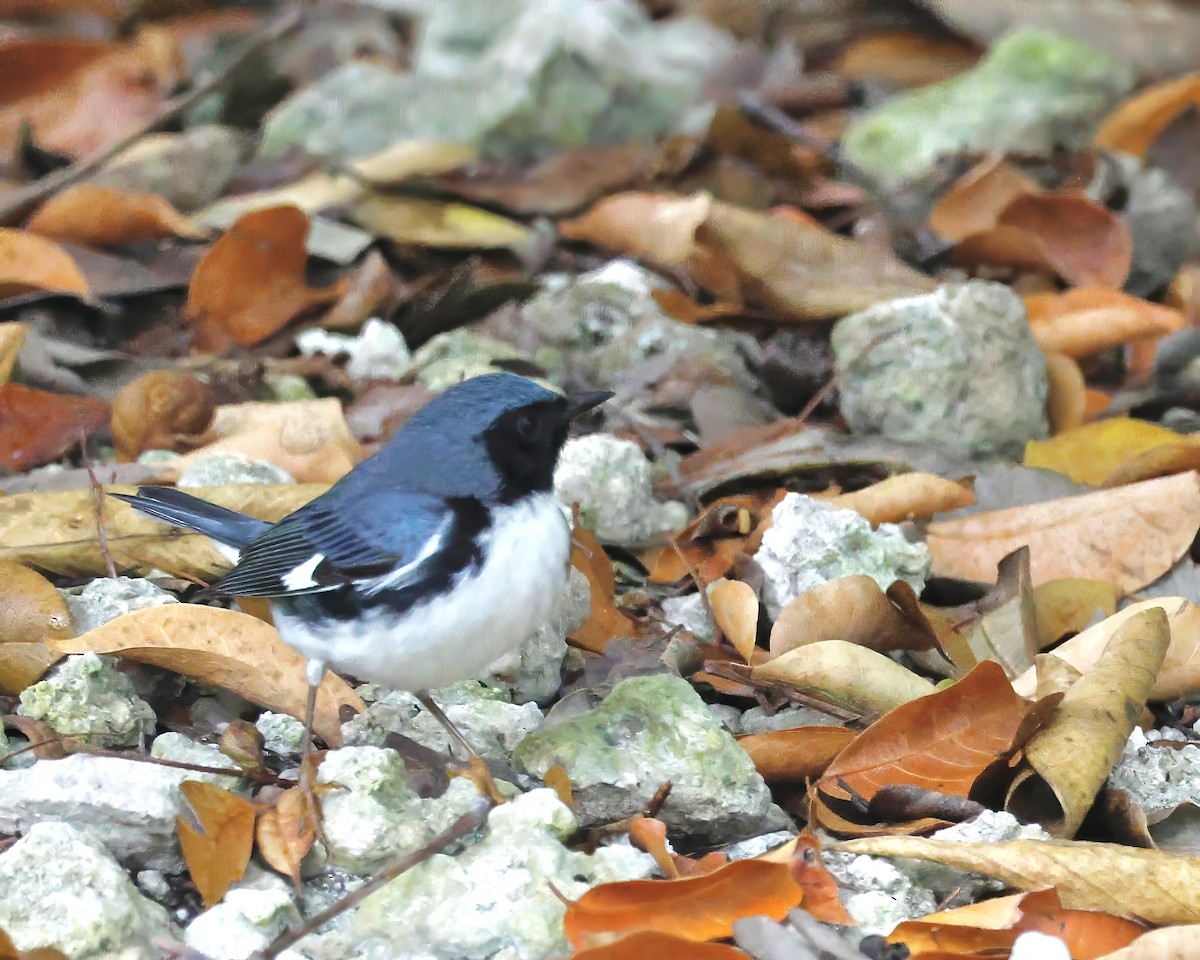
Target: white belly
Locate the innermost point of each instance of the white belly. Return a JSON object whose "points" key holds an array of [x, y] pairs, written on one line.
{"points": [[490, 611]]}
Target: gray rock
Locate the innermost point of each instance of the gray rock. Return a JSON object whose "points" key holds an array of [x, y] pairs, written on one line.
{"points": [[282, 735], [1161, 217], [377, 817], [756, 719], [511, 77], [811, 542], [729, 717], [533, 672], [62, 889], [458, 355], [496, 898], [669, 342], [87, 694], [177, 747], [1032, 93], [612, 481], [131, 804], [219, 469], [1158, 778], [757, 846], [106, 598], [690, 613], [248, 918], [957, 368], [649, 730], [377, 352]]}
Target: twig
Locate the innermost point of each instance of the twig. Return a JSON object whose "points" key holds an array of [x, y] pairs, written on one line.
{"points": [[258, 776], [470, 821], [98, 504], [26, 198]]}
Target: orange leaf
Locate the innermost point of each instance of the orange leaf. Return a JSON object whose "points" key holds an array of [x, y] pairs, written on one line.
{"points": [[696, 908], [217, 853], [286, 833], [29, 262], [251, 282], [650, 836], [812, 876], [1137, 123], [37, 427], [974, 202], [96, 216], [605, 621], [1088, 320], [735, 609], [941, 742], [639, 946], [1066, 404], [160, 410], [797, 754]]}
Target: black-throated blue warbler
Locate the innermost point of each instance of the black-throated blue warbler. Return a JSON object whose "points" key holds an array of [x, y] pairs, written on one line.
{"points": [[428, 560]]}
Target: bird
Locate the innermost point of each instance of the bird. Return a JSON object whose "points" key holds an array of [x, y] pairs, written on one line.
{"points": [[428, 560]]}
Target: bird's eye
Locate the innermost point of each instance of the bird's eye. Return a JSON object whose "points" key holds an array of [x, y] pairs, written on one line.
{"points": [[526, 427]]}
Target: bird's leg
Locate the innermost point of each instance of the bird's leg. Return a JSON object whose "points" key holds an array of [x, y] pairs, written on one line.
{"points": [[308, 771], [477, 768]]}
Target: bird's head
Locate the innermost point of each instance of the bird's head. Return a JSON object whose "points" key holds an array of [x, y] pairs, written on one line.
{"points": [[506, 425]]}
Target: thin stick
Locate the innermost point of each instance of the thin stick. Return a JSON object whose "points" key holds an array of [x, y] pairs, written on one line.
{"points": [[98, 503], [238, 772], [470, 821], [25, 199]]}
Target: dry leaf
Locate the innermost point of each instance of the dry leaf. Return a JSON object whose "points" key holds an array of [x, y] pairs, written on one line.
{"points": [[974, 203], [432, 223], [1070, 758], [1068, 606], [407, 159], [650, 943], [558, 780], [657, 228], [941, 742], [1066, 404], [1158, 887], [1090, 454], [735, 610], [821, 898], [844, 674], [650, 836], [96, 216], [1169, 943], [38, 427], [217, 853], [12, 337], [160, 410], [1129, 536], [1088, 320], [286, 833], [1137, 123], [853, 609], [29, 262], [310, 439], [905, 58], [31, 611], [695, 908], [796, 754], [906, 496], [605, 621], [251, 283], [228, 649]]}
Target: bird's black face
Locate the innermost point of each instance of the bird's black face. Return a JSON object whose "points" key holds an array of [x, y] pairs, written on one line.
{"points": [[524, 442]]}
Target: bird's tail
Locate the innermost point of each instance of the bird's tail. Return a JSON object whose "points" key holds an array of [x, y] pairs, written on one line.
{"points": [[182, 509]]}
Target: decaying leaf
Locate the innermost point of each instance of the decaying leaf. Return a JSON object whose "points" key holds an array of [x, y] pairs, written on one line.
{"points": [[821, 898], [797, 754], [695, 908], [1129, 536], [906, 496], [96, 216], [605, 621], [31, 611], [1161, 888], [161, 410], [1002, 625], [29, 262], [974, 203], [231, 650], [735, 610], [56, 531], [217, 853], [286, 833], [37, 427], [846, 675]]}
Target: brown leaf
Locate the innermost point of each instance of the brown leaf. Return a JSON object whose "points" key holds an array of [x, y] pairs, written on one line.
{"points": [[1129, 536], [905, 58], [657, 228], [795, 755], [160, 410], [1088, 320], [286, 833], [37, 427], [1161, 888], [1066, 404], [1137, 123], [650, 836], [217, 853], [735, 610], [821, 897], [96, 216], [941, 742], [605, 621], [558, 780], [29, 262], [31, 610], [228, 649], [251, 283], [649, 943], [695, 908], [974, 203], [906, 496], [12, 337]]}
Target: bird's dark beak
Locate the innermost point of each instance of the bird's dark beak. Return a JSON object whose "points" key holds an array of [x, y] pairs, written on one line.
{"points": [[578, 403]]}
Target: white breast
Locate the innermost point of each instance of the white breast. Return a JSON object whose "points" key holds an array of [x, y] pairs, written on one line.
{"points": [[454, 637]]}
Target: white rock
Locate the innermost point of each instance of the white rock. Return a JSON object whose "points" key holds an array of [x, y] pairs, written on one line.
{"points": [[250, 916], [219, 469], [177, 747], [378, 352], [282, 735], [106, 598]]}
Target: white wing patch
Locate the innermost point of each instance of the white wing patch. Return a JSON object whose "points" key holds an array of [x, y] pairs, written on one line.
{"points": [[302, 577], [401, 575]]}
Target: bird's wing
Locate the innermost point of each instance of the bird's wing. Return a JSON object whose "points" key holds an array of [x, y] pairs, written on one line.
{"points": [[329, 544]]}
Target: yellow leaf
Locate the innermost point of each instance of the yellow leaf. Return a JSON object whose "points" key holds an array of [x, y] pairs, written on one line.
{"points": [[1089, 454]]}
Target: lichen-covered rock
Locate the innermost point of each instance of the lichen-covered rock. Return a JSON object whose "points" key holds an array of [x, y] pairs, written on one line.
{"points": [[282, 735], [458, 355], [106, 598], [810, 542], [957, 368], [533, 672], [377, 352], [377, 817], [248, 918], [668, 342], [1158, 777], [649, 730], [62, 889], [177, 747], [612, 481], [592, 308], [132, 805], [86, 693], [690, 612], [497, 897], [1035, 91], [219, 469]]}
